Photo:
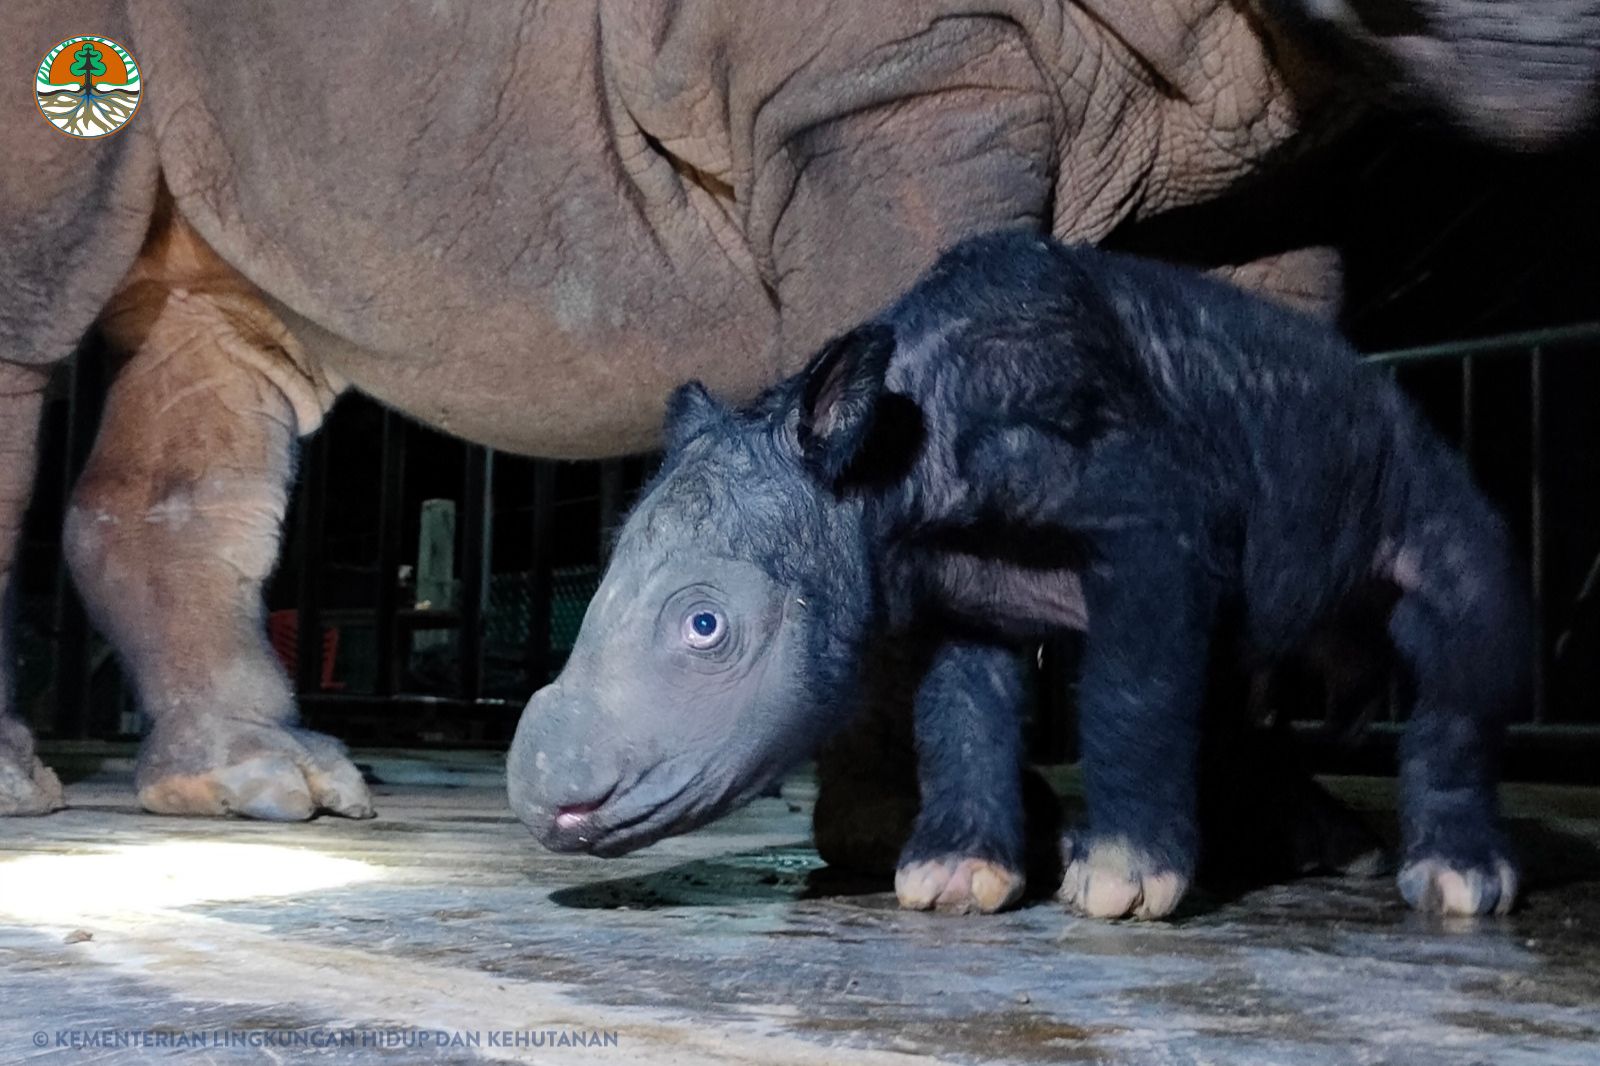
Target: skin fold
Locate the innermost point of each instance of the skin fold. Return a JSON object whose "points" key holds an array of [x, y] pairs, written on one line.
{"points": [[1037, 438], [525, 224]]}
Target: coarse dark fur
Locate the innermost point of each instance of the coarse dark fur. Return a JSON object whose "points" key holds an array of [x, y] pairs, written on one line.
{"points": [[1037, 437]]}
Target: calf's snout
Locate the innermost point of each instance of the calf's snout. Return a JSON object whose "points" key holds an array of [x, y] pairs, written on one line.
{"points": [[556, 785]]}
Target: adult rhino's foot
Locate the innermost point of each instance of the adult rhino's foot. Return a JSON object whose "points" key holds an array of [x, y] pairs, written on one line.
{"points": [[1327, 837], [256, 770], [957, 885], [27, 786], [1277, 827], [1112, 878]]}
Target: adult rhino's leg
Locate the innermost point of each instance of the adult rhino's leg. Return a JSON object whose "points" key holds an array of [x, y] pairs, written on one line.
{"points": [[1309, 279], [26, 785], [72, 215], [171, 532], [1264, 818], [867, 796]]}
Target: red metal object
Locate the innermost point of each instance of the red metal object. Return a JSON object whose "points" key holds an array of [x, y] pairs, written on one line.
{"points": [[283, 630]]}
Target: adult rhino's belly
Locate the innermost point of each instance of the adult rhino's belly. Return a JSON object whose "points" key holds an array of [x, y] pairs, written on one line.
{"points": [[482, 260], [1023, 602], [503, 376], [564, 359]]}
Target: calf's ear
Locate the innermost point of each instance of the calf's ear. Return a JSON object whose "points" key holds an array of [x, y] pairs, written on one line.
{"points": [[839, 403], [690, 410]]}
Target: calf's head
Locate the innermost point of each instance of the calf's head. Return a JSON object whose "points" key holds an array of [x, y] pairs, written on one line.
{"points": [[723, 642]]}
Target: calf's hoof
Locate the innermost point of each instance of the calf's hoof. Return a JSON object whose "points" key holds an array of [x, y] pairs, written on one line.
{"points": [[27, 786], [255, 770], [1438, 886], [1113, 879], [957, 885]]}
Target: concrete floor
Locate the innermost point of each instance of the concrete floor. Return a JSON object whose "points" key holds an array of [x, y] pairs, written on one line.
{"points": [[728, 946]]}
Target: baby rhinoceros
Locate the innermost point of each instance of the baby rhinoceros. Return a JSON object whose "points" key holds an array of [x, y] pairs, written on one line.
{"points": [[1035, 438]]}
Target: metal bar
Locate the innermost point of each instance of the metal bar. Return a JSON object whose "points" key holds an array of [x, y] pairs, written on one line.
{"points": [[1469, 419], [477, 526], [359, 701], [543, 577], [1505, 344], [1536, 524], [1586, 592], [311, 509], [1549, 753], [391, 505], [421, 728], [414, 720]]}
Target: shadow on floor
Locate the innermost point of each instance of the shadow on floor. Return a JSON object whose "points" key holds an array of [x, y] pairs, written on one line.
{"points": [[766, 875]]}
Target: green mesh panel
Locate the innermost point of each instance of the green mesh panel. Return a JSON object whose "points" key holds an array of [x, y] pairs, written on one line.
{"points": [[510, 609]]}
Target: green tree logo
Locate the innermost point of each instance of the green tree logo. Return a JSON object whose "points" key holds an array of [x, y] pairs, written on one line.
{"points": [[86, 64], [88, 86]]}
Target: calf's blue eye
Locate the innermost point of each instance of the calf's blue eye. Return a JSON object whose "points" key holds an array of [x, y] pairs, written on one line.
{"points": [[704, 630]]}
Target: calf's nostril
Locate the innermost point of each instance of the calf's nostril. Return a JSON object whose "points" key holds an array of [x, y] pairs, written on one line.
{"points": [[574, 816]]}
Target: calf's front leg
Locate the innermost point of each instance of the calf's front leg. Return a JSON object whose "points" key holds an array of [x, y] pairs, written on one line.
{"points": [[967, 847]]}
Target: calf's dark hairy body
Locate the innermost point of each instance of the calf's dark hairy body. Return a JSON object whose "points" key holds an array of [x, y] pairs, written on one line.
{"points": [[1107, 444], [1033, 438]]}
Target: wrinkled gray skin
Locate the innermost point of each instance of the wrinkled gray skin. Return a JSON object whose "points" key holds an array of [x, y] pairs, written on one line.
{"points": [[526, 224], [646, 732]]}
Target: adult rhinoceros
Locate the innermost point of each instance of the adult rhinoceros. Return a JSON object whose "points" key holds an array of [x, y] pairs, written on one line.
{"points": [[525, 223]]}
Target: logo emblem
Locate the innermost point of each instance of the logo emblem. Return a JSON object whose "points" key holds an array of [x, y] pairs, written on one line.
{"points": [[88, 87]]}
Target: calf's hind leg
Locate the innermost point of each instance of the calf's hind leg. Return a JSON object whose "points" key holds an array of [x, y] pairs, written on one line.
{"points": [[1461, 628], [172, 530], [1150, 609]]}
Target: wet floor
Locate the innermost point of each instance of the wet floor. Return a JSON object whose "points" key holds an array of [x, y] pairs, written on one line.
{"points": [[442, 922]]}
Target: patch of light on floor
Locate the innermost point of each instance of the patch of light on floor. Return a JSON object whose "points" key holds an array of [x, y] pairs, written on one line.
{"points": [[145, 877]]}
